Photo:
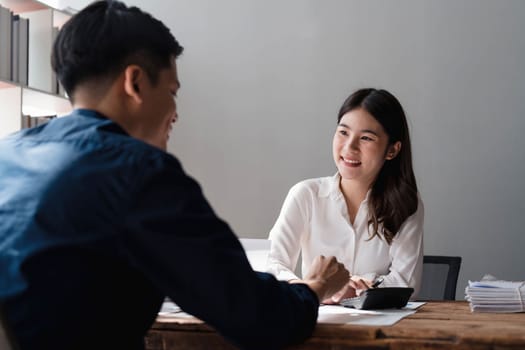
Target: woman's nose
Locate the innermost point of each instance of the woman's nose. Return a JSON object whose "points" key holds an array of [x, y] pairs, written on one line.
{"points": [[352, 143]]}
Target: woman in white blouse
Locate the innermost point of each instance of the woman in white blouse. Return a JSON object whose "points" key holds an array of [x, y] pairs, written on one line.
{"points": [[369, 215]]}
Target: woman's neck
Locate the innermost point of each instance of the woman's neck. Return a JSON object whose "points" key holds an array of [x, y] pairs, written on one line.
{"points": [[354, 193]]}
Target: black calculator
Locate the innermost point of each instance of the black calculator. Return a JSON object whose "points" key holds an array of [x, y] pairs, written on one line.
{"points": [[380, 298]]}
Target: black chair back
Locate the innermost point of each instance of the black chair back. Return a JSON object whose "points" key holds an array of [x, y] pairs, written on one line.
{"points": [[440, 277]]}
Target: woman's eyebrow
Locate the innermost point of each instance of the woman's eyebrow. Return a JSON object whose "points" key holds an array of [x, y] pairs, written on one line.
{"points": [[370, 131]]}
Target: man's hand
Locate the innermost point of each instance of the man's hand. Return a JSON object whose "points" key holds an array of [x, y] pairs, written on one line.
{"points": [[326, 276]]}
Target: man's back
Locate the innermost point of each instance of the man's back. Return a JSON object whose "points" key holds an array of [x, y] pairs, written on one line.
{"points": [[64, 189]]}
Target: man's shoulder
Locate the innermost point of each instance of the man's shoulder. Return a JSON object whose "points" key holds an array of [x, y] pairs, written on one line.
{"points": [[98, 139], [85, 146]]}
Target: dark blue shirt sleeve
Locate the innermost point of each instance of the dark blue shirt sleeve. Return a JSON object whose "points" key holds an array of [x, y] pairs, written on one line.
{"points": [[175, 238]]}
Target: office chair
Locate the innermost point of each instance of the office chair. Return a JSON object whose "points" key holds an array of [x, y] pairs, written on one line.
{"points": [[7, 341], [440, 276]]}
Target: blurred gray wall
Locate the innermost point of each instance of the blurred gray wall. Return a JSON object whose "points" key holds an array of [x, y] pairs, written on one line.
{"points": [[262, 81]]}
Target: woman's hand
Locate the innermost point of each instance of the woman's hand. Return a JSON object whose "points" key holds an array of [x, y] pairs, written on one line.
{"points": [[355, 286], [360, 284]]}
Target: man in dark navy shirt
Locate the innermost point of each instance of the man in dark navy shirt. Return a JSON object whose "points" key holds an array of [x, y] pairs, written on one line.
{"points": [[98, 223]]}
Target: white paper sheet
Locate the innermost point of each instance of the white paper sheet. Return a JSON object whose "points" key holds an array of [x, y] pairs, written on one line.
{"points": [[413, 305], [170, 309], [343, 315]]}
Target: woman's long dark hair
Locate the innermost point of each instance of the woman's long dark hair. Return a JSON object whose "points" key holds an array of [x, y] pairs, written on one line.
{"points": [[393, 197]]}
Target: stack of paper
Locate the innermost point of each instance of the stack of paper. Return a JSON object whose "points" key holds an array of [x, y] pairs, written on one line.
{"points": [[496, 296]]}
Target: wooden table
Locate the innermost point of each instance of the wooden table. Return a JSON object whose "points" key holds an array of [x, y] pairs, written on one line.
{"points": [[436, 325]]}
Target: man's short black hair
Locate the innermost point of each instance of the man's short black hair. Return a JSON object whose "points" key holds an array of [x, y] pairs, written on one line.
{"points": [[105, 37]]}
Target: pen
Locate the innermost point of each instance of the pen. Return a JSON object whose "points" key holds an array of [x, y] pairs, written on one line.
{"points": [[377, 282]]}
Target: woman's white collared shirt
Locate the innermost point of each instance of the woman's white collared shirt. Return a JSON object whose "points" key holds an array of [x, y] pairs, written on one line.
{"points": [[314, 221]]}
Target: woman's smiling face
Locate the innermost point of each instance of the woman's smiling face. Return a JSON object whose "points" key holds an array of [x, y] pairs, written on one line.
{"points": [[360, 147]]}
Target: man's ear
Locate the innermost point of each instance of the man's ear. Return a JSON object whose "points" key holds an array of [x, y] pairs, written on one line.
{"points": [[393, 150], [133, 78]]}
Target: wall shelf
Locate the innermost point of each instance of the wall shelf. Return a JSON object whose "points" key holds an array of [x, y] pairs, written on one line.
{"points": [[40, 96]]}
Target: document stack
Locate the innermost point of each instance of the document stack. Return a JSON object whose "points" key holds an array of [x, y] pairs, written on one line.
{"points": [[490, 295]]}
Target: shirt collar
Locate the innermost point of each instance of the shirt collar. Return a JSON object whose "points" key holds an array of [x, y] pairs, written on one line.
{"points": [[331, 188], [89, 113], [106, 124]]}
